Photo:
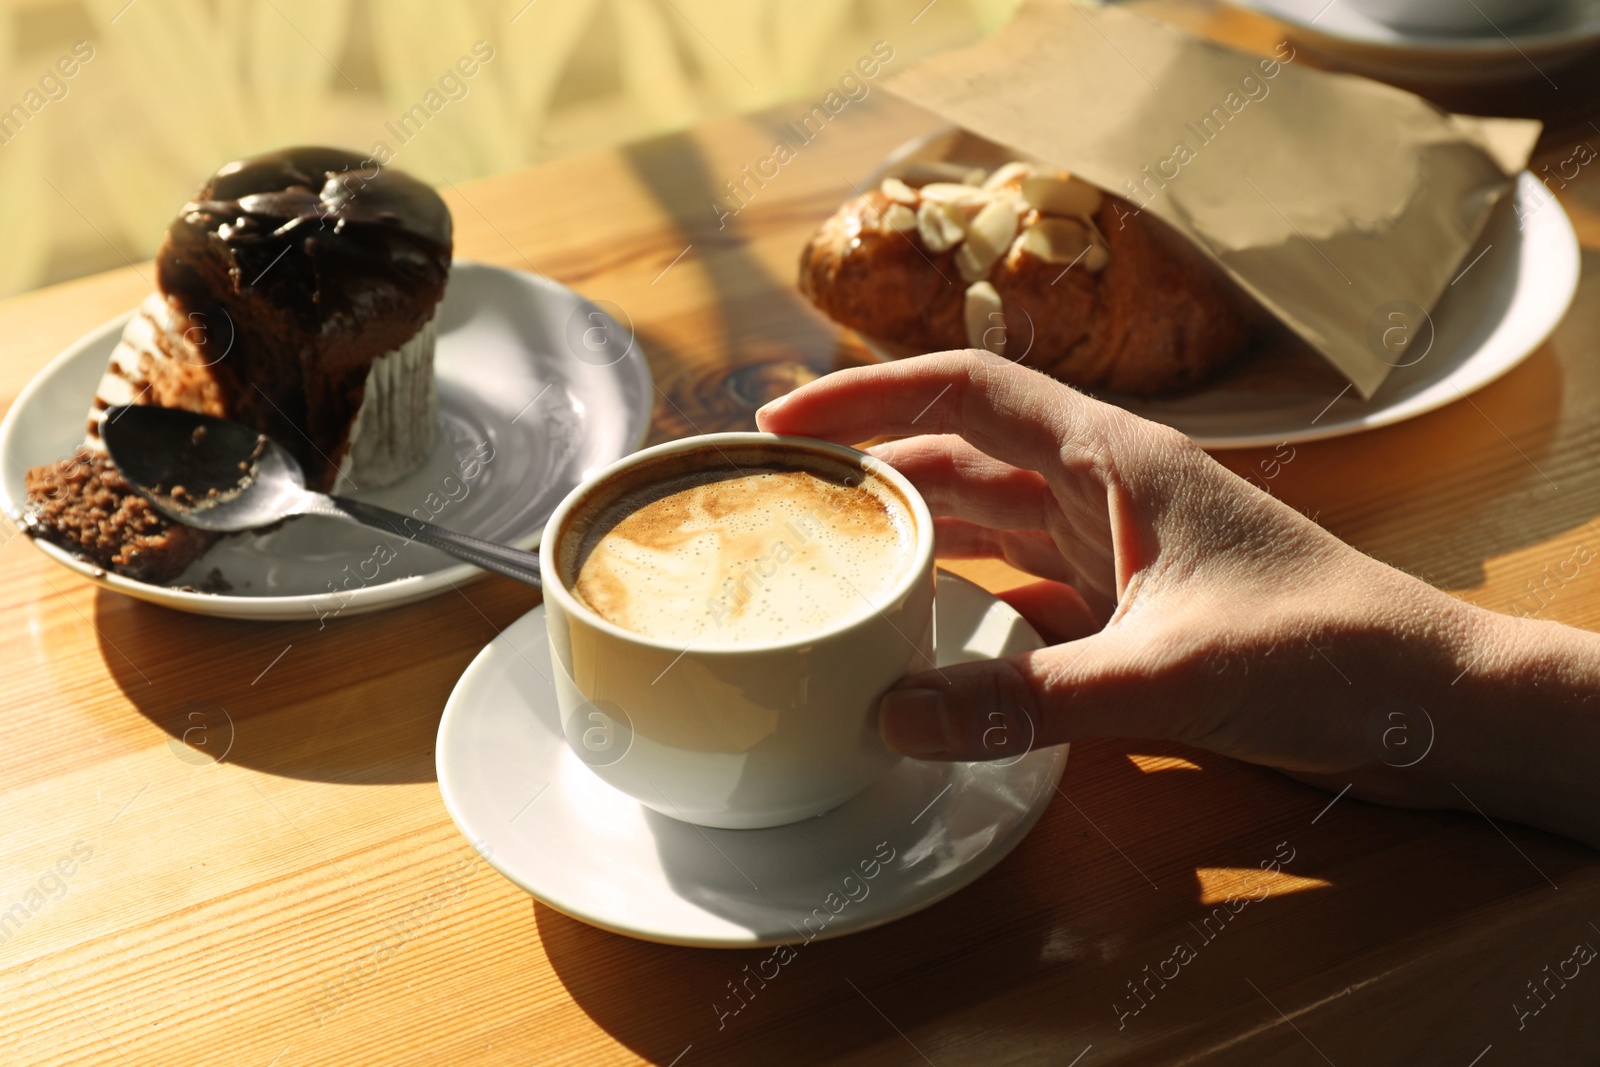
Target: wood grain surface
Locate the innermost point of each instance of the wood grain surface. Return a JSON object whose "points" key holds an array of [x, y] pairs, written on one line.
{"points": [[306, 900]]}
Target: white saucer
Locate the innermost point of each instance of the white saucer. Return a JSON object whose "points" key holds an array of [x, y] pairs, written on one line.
{"points": [[1365, 45], [1511, 291], [545, 821], [525, 369]]}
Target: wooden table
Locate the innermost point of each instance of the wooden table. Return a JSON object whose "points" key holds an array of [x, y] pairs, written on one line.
{"points": [[307, 900]]}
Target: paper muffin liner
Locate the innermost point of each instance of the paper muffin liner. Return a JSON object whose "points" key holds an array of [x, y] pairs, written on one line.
{"points": [[397, 425], [142, 347]]}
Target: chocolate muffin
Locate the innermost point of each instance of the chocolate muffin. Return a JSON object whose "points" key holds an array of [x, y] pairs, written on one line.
{"points": [[296, 294]]}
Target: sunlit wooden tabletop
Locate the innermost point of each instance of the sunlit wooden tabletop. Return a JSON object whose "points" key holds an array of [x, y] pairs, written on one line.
{"points": [[308, 901]]}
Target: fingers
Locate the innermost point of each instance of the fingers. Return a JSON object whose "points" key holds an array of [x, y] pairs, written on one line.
{"points": [[1107, 472], [958, 481], [1109, 684], [1015, 414]]}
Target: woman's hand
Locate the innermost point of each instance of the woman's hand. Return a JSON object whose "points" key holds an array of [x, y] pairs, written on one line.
{"points": [[1183, 603]]}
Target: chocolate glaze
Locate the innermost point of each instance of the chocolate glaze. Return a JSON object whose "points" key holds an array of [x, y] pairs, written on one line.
{"points": [[297, 269], [352, 190]]}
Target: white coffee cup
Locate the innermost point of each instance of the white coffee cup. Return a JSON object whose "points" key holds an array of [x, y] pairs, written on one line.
{"points": [[1484, 18], [741, 736]]}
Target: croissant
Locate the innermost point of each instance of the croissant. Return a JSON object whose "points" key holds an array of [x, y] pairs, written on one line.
{"points": [[1035, 265]]}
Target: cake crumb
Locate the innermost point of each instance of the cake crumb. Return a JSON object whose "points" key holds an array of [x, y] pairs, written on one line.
{"points": [[84, 504]]}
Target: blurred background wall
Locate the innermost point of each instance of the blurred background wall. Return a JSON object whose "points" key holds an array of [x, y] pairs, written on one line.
{"points": [[112, 112]]}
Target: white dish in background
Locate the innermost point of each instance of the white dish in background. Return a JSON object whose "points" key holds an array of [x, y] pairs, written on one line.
{"points": [[1470, 17], [510, 379], [1508, 295], [1528, 48], [1493, 316], [543, 819]]}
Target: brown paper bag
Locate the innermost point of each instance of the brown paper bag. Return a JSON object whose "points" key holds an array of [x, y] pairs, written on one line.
{"points": [[1327, 197]]}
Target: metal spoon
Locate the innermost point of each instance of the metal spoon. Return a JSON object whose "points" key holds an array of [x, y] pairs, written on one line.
{"points": [[213, 474]]}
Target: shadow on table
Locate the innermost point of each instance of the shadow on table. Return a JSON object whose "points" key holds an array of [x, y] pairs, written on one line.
{"points": [[1104, 886], [765, 339], [355, 701], [1038, 959]]}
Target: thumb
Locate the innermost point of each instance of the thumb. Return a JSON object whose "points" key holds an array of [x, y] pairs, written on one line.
{"points": [[1100, 686]]}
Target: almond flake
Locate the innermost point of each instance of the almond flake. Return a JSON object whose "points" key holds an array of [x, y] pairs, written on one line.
{"points": [[1058, 196], [939, 226], [986, 324], [1056, 240], [1007, 174], [898, 191], [954, 193], [898, 218], [988, 236]]}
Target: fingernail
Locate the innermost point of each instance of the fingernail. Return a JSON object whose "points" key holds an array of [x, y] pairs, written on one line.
{"points": [[917, 722], [770, 406]]}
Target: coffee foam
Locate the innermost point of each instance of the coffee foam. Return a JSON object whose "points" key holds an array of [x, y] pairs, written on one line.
{"points": [[724, 548]]}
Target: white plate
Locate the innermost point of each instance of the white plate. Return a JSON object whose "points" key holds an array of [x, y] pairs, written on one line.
{"points": [[1530, 49], [543, 819], [1512, 290], [523, 369]]}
